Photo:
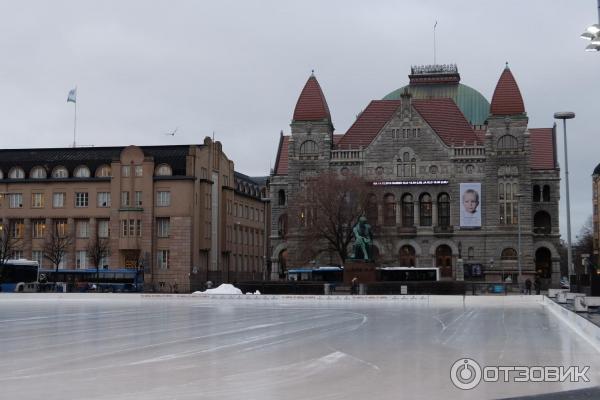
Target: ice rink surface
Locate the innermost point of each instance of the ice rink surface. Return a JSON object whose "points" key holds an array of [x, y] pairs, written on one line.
{"points": [[135, 347]]}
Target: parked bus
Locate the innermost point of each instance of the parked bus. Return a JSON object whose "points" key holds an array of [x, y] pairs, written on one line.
{"points": [[103, 280], [325, 273], [13, 272], [409, 274]]}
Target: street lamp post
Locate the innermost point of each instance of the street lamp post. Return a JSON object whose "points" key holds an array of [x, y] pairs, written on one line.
{"points": [[592, 33], [565, 115], [519, 197]]}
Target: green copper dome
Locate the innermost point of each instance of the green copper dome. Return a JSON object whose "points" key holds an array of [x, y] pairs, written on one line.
{"points": [[474, 106]]}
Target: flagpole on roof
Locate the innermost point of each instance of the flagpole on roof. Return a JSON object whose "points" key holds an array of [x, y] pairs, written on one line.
{"points": [[72, 97]]}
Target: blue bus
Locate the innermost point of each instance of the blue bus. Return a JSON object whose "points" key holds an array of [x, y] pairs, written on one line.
{"points": [[102, 280], [13, 272]]}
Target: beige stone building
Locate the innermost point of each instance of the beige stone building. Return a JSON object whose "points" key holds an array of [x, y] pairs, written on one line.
{"points": [[173, 212]]}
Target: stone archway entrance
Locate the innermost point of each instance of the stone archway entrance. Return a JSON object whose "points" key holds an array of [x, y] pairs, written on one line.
{"points": [[282, 259], [407, 256], [443, 260], [543, 263]]}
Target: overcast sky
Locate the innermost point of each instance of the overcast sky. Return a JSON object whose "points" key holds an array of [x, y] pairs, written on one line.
{"points": [[144, 68]]}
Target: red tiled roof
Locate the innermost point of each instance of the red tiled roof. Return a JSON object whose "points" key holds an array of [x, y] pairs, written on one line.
{"points": [[369, 123], [507, 99], [311, 105], [541, 142], [281, 163], [446, 119], [337, 137]]}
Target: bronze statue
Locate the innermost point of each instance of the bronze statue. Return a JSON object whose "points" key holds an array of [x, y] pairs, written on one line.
{"points": [[363, 240]]}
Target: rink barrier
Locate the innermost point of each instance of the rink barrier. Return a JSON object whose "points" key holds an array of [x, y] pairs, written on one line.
{"points": [[585, 328]]}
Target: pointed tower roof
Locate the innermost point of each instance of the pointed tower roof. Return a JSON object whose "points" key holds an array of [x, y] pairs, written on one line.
{"points": [[507, 99], [311, 105]]}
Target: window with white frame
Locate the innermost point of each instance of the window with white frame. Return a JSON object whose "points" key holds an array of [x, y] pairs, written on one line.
{"points": [[162, 227], [81, 172], [17, 228], [103, 228], [37, 255], [125, 171], [507, 201], [131, 227], [125, 199], [163, 259], [163, 198], [103, 262], [137, 199], [17, 254], [81, 259], [63, 261], [103, 171], [60, 226], [15, 200], [104, 199], [60, 172], [58, 200], [163, 170], [81, 199], [37, 200], [16, 173], [83, 229], [37, 172], [139, 170], [38, 228]]}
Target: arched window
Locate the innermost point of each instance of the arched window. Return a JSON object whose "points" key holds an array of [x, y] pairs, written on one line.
{"points": [[444, 210], [103, 171], [407, 256], [309, 149], [508, 254], [81, 172], [389, 213], [163, 170], [542, 223], [425, 209], [16, 173], [38, 172], [60, 172], [508, 142], [546, 193], [536, 193], [508, 201], [281, 197], [543, 262], [408, 211], [282, 225], [371, 211], [407, 167]]}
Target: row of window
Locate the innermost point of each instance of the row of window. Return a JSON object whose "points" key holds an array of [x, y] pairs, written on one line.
{"points": [[245, 236], [81, 199], [407, 209], [82, 171], [82, 259], [245, 263], [129, 228], [247, 212]]}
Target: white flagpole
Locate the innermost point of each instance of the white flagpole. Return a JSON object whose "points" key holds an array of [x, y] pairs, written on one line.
{"points": [[434, 26], [75, 127]]}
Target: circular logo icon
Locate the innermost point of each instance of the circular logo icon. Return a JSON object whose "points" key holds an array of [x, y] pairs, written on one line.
{"points": [[465, 373]]}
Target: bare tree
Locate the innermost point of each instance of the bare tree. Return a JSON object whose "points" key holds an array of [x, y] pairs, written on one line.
{"points": [[55, 247], [8, 244], [584, 244], [324, 211], [98, 249]]}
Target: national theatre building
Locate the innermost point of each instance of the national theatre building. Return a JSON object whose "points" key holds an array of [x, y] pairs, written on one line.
{"points": [[457, 178]]}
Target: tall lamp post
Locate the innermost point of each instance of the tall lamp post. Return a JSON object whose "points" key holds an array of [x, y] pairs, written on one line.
{"points": [[565, 115], [519, 197], [592, 33]]}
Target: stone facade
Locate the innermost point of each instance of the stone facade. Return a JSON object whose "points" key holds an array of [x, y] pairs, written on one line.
{"points": [[425, 150]]}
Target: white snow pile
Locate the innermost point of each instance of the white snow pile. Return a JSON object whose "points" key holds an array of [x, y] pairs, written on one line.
{"points": [[225, 288]]}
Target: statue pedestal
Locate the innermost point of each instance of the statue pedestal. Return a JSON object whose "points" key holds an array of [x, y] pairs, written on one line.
{"points": [[364, 270]]}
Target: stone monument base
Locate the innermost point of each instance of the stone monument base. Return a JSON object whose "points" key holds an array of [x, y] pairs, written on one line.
{"points": [[364, 270]]}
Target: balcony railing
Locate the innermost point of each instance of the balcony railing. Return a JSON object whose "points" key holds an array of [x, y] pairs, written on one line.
{"points": [[468, 152], [347, 155]]}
